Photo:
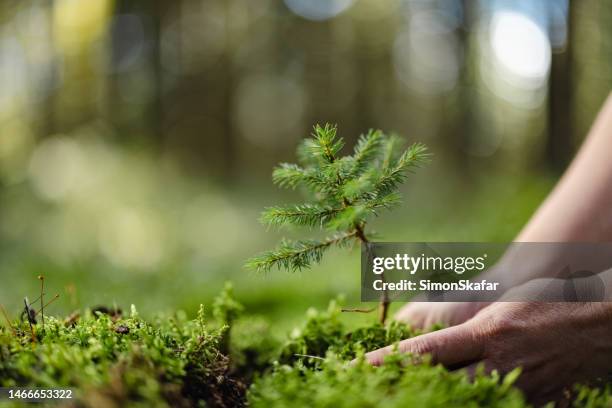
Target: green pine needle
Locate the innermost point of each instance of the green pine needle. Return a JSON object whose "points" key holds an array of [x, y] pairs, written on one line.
{"points": [[309, 215], [361, 185], [326, 146], [390, 150], [348, 217], [290, 175], [395, 174], [297, 255], [366, 150], [383, 202]]}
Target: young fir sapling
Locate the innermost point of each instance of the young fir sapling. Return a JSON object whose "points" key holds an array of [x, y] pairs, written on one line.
{"points": [[346, 191]]}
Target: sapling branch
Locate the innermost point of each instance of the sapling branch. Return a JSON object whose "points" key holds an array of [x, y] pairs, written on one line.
{"points": [[384, 299], [357, 310], [345, 190], [295, 255]]}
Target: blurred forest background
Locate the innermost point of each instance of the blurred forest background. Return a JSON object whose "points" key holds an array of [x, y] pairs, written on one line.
{"points": [[137, 137]]}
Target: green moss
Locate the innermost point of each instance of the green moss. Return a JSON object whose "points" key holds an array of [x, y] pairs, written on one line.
{"points": [[587, 397], [397, 383], [314, 371], [115, 360], [324, 332], [123, 361], [253, 347]]}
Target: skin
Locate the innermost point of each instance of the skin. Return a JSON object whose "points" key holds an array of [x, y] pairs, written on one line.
{"points": [[555, 344]]}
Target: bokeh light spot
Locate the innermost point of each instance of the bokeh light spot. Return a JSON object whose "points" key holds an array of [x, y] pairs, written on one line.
{"points": [[57, 167], [520, 45], [131, 238], [318, 10]]}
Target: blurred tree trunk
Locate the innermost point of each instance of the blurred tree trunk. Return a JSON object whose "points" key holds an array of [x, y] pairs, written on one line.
{"points": [[147, 126], [48, 126], [460, 112], [228, 142], [156, 109], [560, 97], [112, 97]]}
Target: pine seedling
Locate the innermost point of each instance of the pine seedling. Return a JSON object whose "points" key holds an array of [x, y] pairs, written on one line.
{"points": [[346, 191]]}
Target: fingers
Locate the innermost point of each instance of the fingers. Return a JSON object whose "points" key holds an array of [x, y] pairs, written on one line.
{"points": [[413, 314], [474, 368], [454, 346], [423, 315]]}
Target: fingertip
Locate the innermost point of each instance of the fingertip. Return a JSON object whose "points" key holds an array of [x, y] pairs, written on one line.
{"points": [[376, 357], [409, 318], [448, 346]]}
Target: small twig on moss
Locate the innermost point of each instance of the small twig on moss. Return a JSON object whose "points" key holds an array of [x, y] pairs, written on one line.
{"points": [[358, 310], [8, 321], [28, 312], [309, 356], [48, 303]]}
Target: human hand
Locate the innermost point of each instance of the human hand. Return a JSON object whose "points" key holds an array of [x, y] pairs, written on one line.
{"points": [[556, 344], [424, 315]]}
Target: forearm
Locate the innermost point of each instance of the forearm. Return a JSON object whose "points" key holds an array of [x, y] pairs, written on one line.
{"points": [[580, 207]]}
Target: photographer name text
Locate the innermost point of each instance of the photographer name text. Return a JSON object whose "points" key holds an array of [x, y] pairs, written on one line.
{"points": [[423, 263]]}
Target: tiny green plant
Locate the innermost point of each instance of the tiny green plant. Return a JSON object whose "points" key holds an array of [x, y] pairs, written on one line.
{"points": [[345, 192]]}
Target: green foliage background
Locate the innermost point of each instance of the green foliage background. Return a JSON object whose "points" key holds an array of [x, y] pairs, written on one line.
{"points": [[136, 139]]}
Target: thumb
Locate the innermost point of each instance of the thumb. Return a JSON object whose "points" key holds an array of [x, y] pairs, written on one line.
{"points": [[454, 346]]}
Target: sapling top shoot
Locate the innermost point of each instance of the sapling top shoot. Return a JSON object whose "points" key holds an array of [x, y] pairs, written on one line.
{"points": [[345, 191]]}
